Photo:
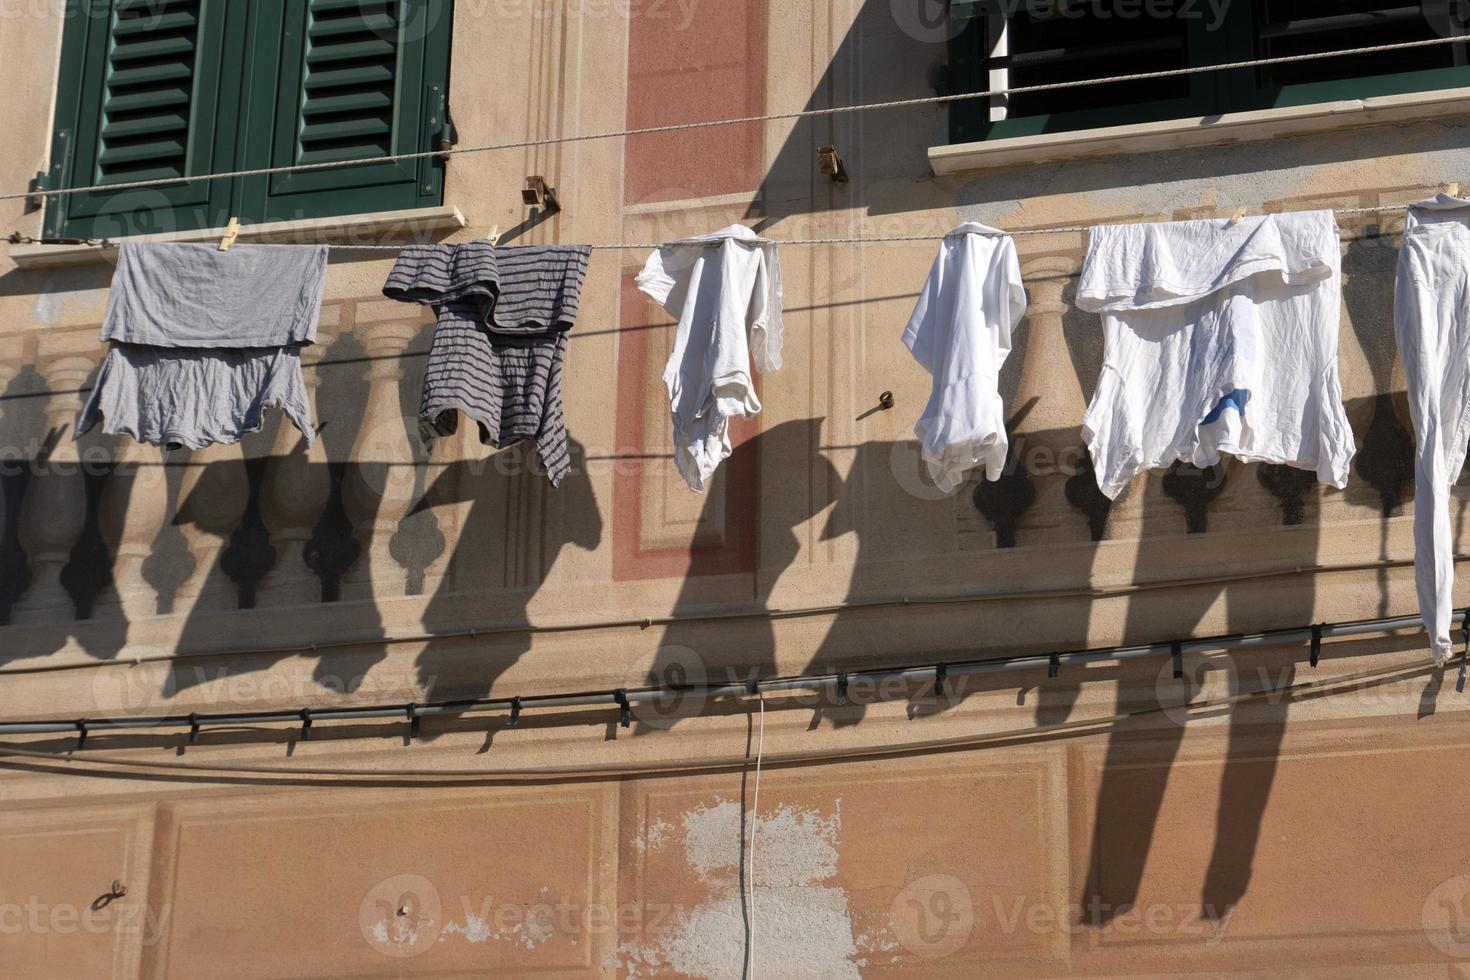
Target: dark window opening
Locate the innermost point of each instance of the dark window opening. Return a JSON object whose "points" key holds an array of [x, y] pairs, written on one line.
{"points": [[1010, 43]]}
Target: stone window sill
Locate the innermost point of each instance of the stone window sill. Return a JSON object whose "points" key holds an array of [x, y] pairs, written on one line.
{"points": [[383, 227], [1236, 127]]}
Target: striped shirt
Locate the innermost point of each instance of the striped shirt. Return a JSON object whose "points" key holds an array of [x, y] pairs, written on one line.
{"points": [[503, 316]]}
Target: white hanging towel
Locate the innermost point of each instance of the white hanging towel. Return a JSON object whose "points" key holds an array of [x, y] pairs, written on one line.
{"points": [[961, 333], [1432, 320], [725, 288], [1219, 338]]}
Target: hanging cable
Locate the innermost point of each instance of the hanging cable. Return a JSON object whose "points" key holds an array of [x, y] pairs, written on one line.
{"points": [[623, 698], [739, 120], [755, 816]]}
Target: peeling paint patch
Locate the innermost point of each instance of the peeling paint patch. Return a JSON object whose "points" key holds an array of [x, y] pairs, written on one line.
{"points": [[475, 929], [883, 942], [536, 929], [880, 948], [539, 926], [400, 935], [654, 838], [802, 922]]}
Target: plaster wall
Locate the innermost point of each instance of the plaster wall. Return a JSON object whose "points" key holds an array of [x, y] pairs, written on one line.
{"points": [[1313, 835]]}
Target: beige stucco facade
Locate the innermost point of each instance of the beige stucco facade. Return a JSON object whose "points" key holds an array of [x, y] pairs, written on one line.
{"points": [[1307, 836]]}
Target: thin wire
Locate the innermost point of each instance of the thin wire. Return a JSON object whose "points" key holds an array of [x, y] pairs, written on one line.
{"points": [[857, 240], [868, 239], [755, 816], [740, 120]]}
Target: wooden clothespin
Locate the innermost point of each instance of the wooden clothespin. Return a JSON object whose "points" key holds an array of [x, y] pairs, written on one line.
{"points": [[1452, 188], [1238, 216], [494, 236], [232, 231]]}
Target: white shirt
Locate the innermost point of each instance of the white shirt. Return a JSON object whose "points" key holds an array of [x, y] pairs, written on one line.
{"points": [[960, 332], [725, 288], [1432, 320], [1218, 338]]}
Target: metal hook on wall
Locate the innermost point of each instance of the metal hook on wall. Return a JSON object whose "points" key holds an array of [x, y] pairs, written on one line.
{"points": [[539, 194]]}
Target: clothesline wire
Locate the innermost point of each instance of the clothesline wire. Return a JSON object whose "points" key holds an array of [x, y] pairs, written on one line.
{"points": [[870, 239], [849, 240], [739, 120]]}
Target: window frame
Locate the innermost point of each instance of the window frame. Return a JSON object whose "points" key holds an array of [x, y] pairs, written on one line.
{"points": [[1212, 93], [253, 127]]}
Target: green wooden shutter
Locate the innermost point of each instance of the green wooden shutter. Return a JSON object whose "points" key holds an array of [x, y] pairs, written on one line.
{"points": [[139, 99], [152, 89], [349, 79]]}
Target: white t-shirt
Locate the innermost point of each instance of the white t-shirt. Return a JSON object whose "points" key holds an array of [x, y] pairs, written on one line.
{"points": [[1218, 338], [725, 288], [960, 332], [1432, 320]]}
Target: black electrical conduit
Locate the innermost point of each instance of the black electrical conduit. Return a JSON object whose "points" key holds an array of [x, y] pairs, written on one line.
{"points": [[624, 698], [648, 622], [96, 764]]}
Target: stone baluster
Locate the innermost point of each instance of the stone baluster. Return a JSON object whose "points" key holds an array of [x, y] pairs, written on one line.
{"points": [[212, 498], [1048, 399], [55, 509], [297, 487], [134, 510], [1047, 373], [380, 489]]}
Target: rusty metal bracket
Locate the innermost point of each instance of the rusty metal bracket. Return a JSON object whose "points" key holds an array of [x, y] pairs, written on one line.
{"points": [[539, 194], [830, 163]]}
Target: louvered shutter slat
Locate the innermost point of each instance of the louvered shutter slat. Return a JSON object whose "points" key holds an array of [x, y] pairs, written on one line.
{"points": [[167, 20], [150, 124], [351, 101], [153, 98], [353, 25], [357, 81]]}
